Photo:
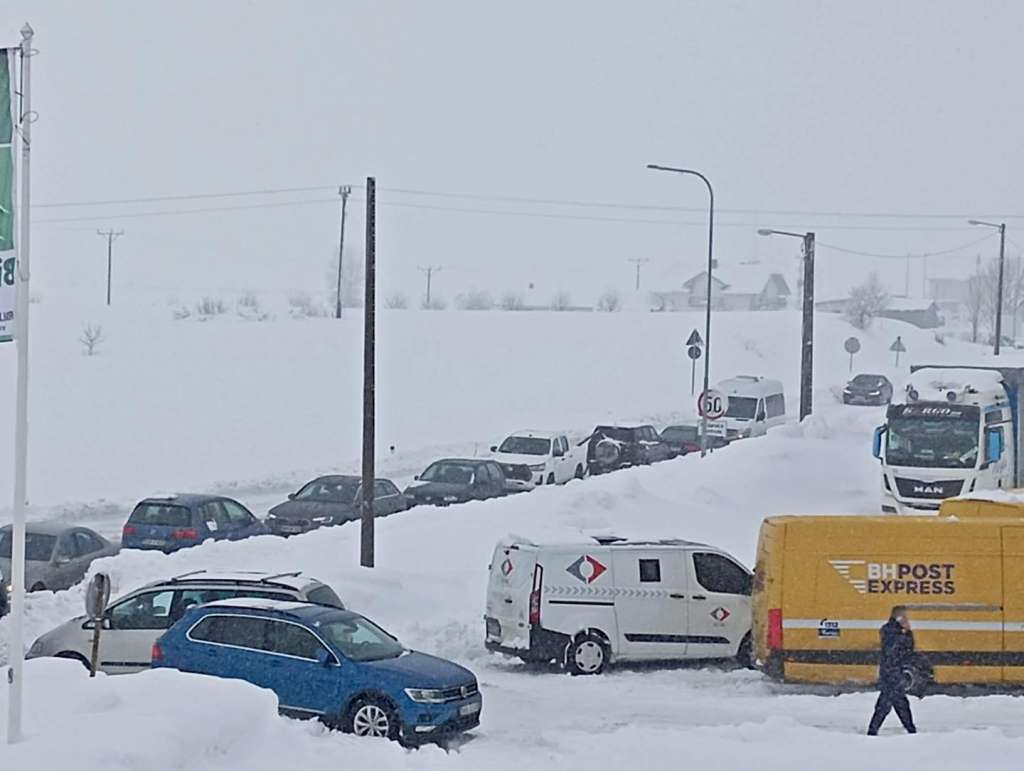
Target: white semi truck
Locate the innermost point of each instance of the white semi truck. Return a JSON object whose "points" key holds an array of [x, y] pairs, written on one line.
{"points": [[953, 430]]}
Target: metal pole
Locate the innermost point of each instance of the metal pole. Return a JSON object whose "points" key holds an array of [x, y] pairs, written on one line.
{"points": [[369, 342], [999, 296], [707, 315], [344, 191], [16, 645], [429, 272], [807, 338], [110, 235]]}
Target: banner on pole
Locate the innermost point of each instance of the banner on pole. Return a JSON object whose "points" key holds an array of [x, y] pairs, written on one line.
{"points": [[7, 258]]}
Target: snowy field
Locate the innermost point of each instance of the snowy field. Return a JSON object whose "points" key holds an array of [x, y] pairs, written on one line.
{"points": [[254, 408]]}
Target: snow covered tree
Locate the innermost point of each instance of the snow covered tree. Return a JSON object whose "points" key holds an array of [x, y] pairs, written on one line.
{"points": [[866, 302]]}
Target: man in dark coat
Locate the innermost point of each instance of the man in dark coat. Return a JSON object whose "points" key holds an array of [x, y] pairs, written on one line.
{"points": [[897, 651]]}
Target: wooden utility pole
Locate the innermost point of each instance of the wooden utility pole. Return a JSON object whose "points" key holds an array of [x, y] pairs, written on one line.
{"points": [[366, 545], [638, 261], [110, 235], [344, 191], [429, 270]]}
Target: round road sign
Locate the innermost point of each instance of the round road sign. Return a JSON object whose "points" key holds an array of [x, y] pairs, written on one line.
{"points": [[712, 404], [852, 345], [693, 352]]}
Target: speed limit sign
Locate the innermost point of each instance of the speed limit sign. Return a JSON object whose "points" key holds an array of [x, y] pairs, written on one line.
{"points": [[712, 404]]}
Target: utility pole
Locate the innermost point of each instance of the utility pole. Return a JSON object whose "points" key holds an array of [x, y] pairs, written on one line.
{"points": [[807, 346], [344, 191], [638, 261], [999, 294], [110, 235], [429, 270], [906, 285], [366, 545]]}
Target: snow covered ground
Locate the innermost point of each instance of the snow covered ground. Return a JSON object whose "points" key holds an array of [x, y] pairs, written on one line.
{"points": [[255, 407]]}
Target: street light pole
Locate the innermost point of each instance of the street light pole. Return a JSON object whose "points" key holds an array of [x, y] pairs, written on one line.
{"points": [[807, 325], [1001, 227], [707, 313]]}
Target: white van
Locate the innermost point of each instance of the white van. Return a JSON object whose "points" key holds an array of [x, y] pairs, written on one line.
{"points": [[587, 604], [755, 405]]}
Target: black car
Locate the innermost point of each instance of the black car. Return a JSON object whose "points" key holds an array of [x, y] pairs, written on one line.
{"points": [[332, 500], [615, 447], [684, 438], [455, 480], [868, 389]]}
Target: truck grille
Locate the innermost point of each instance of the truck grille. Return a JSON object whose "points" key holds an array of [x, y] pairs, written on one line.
{"points": [[916, 488]]}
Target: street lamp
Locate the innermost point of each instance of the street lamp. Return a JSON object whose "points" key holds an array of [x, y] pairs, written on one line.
{"points": [[807, 335], [1002, 252], [707, 315]]}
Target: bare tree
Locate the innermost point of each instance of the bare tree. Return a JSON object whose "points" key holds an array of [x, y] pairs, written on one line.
{"points": [[92, 336], [512, 301], [609, 302], [475, 300], [866, 302], [562, 301]]}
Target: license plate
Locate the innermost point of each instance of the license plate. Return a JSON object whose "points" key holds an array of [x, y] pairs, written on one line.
{"points": [[469, 709], [450, 499], [291, 529], [152, 542], [493, 627]]}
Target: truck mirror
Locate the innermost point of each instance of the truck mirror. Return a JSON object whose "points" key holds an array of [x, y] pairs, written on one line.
{"points": [[876, 446], [993, 446]]}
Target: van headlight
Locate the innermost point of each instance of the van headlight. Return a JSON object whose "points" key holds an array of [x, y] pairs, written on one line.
{"points": [[426, 695]]}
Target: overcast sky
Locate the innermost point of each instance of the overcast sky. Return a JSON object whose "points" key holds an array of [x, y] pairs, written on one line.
{"points": [[873, 107]]}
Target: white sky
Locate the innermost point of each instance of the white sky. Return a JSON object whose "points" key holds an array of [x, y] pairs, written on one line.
{"points": [[880, 107]]}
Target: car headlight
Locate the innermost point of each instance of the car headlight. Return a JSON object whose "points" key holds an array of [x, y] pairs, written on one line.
{"points": [[321, 519], [538, 467], [271, 515], [426, 695]]}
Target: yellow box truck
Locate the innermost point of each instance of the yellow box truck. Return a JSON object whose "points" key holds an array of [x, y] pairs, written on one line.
{"points": [[1005, 507], [823, 585]]}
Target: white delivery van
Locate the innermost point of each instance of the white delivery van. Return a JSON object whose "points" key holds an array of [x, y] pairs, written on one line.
{"points": [[755, 405], [587, 604]]}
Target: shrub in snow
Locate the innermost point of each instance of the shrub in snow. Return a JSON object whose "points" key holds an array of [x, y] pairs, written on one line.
{"points": [[248, 306], [92, 336], [180, 313], [866, 302], [434, 304], [396, 301], [301, 305], [475, 300], [209, 307], [562, 301], [609, 302], [512, 301]]}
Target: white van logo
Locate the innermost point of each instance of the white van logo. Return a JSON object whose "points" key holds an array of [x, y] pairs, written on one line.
{"points": [[586, 569]]}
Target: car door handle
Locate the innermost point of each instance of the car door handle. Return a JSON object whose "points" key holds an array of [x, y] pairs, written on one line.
{"points": [[678, 596], [698, 597]]}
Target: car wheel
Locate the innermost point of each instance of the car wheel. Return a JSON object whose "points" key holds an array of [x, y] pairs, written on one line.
{"points": [[587, 655], [550, 479], [579, 471], [74, 656], [38, 586], [745, 654], [374, 718]]}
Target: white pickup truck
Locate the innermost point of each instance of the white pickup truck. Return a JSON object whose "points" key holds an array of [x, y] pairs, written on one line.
{"points": [[551, 457]]}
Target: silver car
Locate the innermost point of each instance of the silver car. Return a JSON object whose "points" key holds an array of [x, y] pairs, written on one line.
{"points": [[57, 556], [134, 622]]}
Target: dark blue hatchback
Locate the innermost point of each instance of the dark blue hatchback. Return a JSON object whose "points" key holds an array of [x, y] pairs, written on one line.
{"points": [[176, 521], [327, 663]]}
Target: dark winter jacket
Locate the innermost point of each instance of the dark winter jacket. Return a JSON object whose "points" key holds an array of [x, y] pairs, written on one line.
{"points": [[897, 651]]}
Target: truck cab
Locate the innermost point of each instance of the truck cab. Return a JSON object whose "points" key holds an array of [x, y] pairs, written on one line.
{"points": [[951, 431]]}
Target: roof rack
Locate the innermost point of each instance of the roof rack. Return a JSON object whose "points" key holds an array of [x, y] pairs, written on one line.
{"points": [[186, 575], [269, 579]]}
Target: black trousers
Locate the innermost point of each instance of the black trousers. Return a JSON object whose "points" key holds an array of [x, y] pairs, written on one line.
{"points": [[892, 699]]}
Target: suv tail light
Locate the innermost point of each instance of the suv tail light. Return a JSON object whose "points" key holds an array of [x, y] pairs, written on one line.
{"points": [[538, 582], [186, 534], [127, 530], [157, 653], [775, 629]]}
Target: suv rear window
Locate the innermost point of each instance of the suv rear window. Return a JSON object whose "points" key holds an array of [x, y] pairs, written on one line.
{"points": [[613, 432], [161, 515], [324, 595]]}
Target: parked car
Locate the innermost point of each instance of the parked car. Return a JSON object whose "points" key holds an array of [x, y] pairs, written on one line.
{"points": [[456, 481], [57, 556], [518, 478], [327, 663], [586, 605], [131, 624], [332, 500], [684, 438], [175, 522], [755, 404], [615, 447], [868, 389], [550, 457]]}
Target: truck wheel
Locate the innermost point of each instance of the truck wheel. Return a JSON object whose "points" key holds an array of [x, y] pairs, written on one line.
{"points": [[587, 655], [579, 471], [38, 586], [551, 479], [745, 654]]}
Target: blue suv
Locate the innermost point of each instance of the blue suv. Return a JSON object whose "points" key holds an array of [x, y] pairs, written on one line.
{"points": [[175, 521], [327, 663]]}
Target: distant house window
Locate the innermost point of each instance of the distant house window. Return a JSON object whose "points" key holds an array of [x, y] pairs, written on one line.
{"points": [[650, 571]]}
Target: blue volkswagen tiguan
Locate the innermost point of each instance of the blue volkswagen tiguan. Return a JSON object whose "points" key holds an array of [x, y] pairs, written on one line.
{"points": [[327, 663]]}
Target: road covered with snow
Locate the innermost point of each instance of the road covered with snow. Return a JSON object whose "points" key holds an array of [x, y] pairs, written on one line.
{"points": [[429, 586]]}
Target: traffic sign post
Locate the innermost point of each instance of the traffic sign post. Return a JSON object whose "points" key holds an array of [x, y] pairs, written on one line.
{"points": [[852, 346], [898, 348], [694, 352], [712, 404], [717, 428]]}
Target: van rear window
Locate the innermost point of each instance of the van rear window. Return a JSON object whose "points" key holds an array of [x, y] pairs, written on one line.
{"points": [[161, 515]]}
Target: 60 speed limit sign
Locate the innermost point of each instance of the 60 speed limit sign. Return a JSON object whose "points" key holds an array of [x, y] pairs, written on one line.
{"points": [[712, 404]]}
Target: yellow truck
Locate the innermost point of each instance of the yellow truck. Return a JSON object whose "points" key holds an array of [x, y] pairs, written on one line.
{"points": [[823, 585]]}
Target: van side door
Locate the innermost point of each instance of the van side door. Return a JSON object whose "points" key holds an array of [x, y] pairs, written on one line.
{"points": [[719, 605], [650, 602]]}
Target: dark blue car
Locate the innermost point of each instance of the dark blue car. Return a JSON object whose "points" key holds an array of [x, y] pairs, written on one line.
{"points": [[327, 663], [176, 521]]}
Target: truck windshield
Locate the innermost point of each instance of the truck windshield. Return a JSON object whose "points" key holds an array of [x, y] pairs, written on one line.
{"points": [[526, 445], [933, 442], [741, 407]]}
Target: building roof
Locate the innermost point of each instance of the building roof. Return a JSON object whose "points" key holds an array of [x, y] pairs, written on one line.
{"points": [[749, 279]]}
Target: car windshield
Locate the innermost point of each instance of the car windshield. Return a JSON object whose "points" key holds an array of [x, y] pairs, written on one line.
{"points": [[38, 547], [868, 381], [741, 407], [933, 442], [526, 445], [680, 434], [333, 489], [359, 639], [452, 473], [161, 515]]}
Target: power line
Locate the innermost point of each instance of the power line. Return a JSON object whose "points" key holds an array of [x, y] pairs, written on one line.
{"points": [[905, 255], [183, 197], [175, 212]]}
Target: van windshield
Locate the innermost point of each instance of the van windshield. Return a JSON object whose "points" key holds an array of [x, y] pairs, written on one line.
{"points": [[741, 407]]}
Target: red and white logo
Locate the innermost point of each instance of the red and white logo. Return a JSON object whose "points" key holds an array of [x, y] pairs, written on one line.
{"points": [[720, 614], [586, 569], [507, 567]]}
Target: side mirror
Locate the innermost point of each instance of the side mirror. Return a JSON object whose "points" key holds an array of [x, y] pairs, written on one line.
{"points": [[327, 659], [494, 448], [876, 442], [416, 478], [993, 446], [291, 496]]}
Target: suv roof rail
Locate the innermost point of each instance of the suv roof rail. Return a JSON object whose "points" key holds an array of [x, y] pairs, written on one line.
{"points": [[186, 575], [268, 579]]}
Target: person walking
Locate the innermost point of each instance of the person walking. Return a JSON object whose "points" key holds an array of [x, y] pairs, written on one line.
{"points": [[897, 651]]}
